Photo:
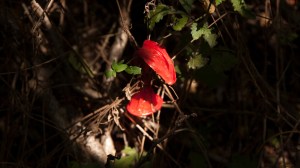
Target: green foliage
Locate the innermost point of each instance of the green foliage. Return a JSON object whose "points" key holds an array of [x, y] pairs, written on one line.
{"points": [[179, 23], [238, 5], [134, 70], [187, 5], [179, 18], [130, 158], [79, 65], [110, 73], [241, 8], [157, 14], [218, 2], [223, 60], [177, 69], [197, 61], [119, 67], [204, 31], [213, 73]]}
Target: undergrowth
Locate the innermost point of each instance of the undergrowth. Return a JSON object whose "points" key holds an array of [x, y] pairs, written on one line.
{"points": [[68, 71]]}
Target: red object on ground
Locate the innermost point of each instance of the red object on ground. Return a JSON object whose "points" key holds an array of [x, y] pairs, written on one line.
{"points": [[144, 103], [159, 60]]}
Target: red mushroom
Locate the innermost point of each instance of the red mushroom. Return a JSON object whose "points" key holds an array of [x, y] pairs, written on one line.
{"points": [[159, 60], [144, 102]]}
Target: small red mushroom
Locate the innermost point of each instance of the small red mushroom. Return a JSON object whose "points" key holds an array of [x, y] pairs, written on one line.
{"points": [[144, 102], [159, 60]]}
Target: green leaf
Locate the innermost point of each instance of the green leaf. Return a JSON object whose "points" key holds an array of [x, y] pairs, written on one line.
{"points": [[119, 67], [134, 70], [79, 65], [157, 14], [187, 5], [241, 8], [204, 31], [177, 69], [213, 73], [110, 73], [197, 61], [218, 2], [131, 156], [195, 34], [179, 23]]}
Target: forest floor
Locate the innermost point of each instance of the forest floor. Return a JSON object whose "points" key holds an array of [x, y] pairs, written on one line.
{"points": [[239, 106]]}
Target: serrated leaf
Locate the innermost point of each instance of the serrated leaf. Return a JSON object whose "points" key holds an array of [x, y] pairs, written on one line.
{"points": [[237, 5], [187, 5], [197, 61], [179, 23], [157, 14], [241, 8], [195, 34], [118, 67], [110, 73], [133, 70], [204, 31]]}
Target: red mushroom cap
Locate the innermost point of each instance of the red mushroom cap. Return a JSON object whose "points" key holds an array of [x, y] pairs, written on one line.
{"points": [[144, 103], [159, 60]]}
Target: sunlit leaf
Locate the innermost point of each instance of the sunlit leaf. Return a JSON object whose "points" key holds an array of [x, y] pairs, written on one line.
{"points": [[118, 67], [134, 70], [179, 23], [110, 73], [241, 8], [204, 31], [194, 31], [197, 61], [187, 5], [157, 14], [128, 160]]}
